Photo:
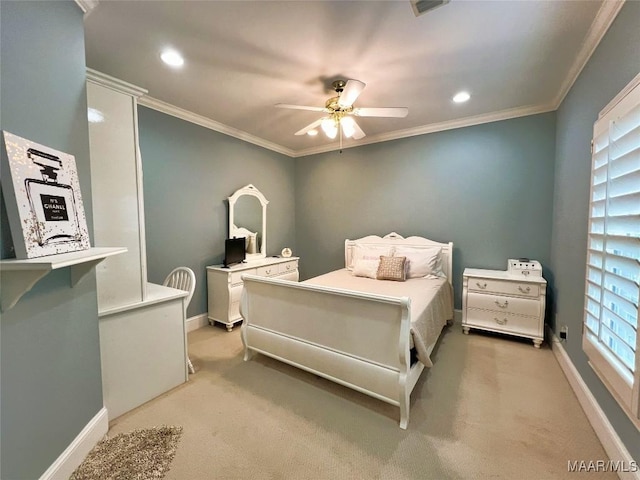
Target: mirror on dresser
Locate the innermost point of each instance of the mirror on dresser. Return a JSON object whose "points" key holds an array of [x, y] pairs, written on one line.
{"points": [[248, 218]]}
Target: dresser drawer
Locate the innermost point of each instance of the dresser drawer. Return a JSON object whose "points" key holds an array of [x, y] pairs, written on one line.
{"points": [[500, 304], [287, 267], [504, 322], [500, 286], [236, 277], [267, 271]]}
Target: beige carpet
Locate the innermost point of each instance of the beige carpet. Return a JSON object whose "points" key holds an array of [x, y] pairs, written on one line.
{"points": [[489, 408]]}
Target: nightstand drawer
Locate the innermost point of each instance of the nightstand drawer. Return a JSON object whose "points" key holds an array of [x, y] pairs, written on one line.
{"points": [[499, 304], [504, 322], [507, 288]]}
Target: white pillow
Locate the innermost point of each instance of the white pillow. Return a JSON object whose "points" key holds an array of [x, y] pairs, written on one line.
{"points": [[368, 252], [423, 262], [366, 268]]}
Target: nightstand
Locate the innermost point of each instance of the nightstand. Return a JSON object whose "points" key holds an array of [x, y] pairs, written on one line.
{"points": [[505, 302]]}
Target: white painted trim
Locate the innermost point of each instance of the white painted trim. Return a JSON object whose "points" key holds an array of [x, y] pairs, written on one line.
{"points": [[196, 322], [597, 418], [87, 5], [77, 450], [601, 23], [115, 84], [206, 122], [618, 98]]}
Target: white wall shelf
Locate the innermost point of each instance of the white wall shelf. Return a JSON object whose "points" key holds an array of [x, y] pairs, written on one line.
{"points": [[19, 276]]}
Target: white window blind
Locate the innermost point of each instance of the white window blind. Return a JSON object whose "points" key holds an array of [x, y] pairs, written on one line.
{"points": [[612, 290]]}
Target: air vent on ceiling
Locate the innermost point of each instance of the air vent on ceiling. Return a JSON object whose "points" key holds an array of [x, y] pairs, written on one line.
{"points": [[421, 7]]}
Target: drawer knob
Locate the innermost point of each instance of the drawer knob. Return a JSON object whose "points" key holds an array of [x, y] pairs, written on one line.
{"points": [[502, 305], [481, 285], [524, 290], [500, 322]]}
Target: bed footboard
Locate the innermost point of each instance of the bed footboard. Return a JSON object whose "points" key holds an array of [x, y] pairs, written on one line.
{"points": [[356, 339]]}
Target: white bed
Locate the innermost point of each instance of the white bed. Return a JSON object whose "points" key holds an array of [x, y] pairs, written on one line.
{"points": [[356, 331]]}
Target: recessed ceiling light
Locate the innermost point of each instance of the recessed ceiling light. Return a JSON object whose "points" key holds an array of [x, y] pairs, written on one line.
{"points": [[312, 133], [172, 58], [461, 97]]}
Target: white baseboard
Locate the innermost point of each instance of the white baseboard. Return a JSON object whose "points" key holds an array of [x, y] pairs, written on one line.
{"points": [[77, 450], [599, 421], [197, 321]]}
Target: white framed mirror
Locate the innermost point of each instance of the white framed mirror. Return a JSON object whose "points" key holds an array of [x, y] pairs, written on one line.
{"points": [[248, 219]]}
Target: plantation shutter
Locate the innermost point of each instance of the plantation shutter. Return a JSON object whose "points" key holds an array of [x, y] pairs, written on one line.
{"points": [[612, 291]]}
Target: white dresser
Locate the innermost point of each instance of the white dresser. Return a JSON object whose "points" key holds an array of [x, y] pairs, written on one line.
{"points": [[224, 285], [505, 302]]}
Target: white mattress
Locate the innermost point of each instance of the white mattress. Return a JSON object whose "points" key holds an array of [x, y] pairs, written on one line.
{"points": [[431, 303]]}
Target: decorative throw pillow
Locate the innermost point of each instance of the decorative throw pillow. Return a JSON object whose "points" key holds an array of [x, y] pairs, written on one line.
{"points": [[392, 268], [423, 262], [366, 268]]}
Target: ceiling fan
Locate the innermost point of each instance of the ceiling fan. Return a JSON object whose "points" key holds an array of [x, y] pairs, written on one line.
{"points": [[340, 111]]}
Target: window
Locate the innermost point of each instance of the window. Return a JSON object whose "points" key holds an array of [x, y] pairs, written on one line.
{"points": [[612, 290]]}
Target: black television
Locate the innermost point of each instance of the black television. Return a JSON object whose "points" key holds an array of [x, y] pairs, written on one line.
{"points": [[234, 251]]}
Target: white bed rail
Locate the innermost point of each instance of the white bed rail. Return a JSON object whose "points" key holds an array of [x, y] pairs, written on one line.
{"points": [[356, 339]]}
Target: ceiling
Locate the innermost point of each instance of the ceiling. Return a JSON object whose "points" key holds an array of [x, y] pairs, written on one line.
{"points": [[242, 57]]}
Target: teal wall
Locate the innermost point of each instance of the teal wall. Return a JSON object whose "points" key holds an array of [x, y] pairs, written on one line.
{"points": [[613, 65], [189, 172], [487, 188], [50, 374]]}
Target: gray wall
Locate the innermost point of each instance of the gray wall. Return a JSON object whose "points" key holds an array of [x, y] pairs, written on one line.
{"points": [[613, 65], [189, 172], [488, 188], [50, 354]]}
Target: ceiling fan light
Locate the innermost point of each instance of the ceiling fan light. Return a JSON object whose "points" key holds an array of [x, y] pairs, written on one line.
{"points": [[312, 133], [329, 127], [347, 126]]}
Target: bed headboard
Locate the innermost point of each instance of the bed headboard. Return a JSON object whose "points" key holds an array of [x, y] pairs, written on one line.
{"points": [[395, 239]]}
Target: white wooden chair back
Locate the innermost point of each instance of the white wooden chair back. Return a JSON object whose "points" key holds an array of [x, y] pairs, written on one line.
{"points": [[182, 278]]}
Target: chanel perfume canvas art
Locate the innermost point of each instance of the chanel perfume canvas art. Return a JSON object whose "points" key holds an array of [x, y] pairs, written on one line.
{"points": [[42, 194]]}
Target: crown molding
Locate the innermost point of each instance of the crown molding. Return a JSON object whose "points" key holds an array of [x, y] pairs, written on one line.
{"points": [[87, 5], [115, 83], [432, 128], [206, 122], [601, 23]]}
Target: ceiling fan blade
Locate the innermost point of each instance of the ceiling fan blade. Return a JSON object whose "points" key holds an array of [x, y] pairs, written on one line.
{"points": [[300, 107], [311, 126], [398, 112], [357, 131], [351, 91]]}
